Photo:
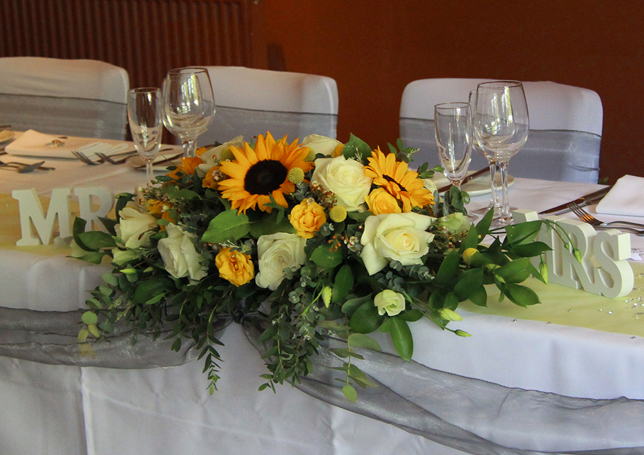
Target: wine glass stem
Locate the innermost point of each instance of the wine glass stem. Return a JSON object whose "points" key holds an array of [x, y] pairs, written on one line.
{"points": [[505, 215], [494, 197], [189, 148], [148, 170]]}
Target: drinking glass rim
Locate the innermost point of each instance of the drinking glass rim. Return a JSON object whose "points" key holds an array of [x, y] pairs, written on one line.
{"points": [[144, 90], [501, 83], [188, 69], [453, 105]]}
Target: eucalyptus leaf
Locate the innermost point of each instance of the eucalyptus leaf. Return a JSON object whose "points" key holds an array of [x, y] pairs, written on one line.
{"points": [[350, 393], [89, 317]]}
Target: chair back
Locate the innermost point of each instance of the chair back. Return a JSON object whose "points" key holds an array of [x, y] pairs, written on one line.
{"points": [[253, 101], [565, 127], [86, 98]]}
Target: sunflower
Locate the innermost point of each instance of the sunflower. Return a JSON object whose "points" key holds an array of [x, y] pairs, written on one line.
{"points": [[395, 178], [256, 175]]}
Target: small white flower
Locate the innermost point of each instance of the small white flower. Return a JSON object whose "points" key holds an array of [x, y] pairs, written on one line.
{"points": [[390, 302]]}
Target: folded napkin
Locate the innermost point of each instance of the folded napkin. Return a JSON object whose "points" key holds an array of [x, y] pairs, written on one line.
{"points": [[5, 135], [34, 144], [625, 198]]}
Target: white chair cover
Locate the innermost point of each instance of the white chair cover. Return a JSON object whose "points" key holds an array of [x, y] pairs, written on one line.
{"points": [[56, 96], [253, 101], [565, 127]]}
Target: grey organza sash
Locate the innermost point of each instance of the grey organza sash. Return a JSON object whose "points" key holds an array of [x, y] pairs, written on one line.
{"points": [[476, 416], [67, 116], [51, 337], [560, 155], [231, 122], [471, 415]]}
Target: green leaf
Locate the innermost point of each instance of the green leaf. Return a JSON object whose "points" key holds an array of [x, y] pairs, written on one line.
{"points": [[350, 393], [268, 225], [483, 226], [150, 288], [468, 283], [268, 333], [327, 257], [448, 268], [365, 319], [402, 339], [523, 232], [174, 192], [92, 258], [516, 271], [343, 283], [341, 352], [479, 296], [110, 279], [356, 147], [227, 226], [351, 305], [530, 249], [411, 315], [451, 301], [521, 295], [95, 240], [359, 340], [470, 241], [89, 317]]}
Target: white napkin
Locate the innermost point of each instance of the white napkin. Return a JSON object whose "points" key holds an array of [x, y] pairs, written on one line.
{"points": [[625, 198], [34, 144]]}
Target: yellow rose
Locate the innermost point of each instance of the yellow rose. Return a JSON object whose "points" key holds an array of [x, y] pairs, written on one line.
{"points": [[381, 202], [211, 179], [307, 218], [235, 266]]}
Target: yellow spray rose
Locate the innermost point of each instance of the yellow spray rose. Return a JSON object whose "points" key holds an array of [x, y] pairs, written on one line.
{"points": [[381, 202], [235, 266], [307, 218]]}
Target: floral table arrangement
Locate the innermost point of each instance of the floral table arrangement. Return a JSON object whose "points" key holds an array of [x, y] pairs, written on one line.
{"points": [[302, 241]]}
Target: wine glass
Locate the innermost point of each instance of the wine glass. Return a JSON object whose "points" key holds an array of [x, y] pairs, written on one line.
{"points": [[495, 203], [501, 124], [453, 133], [144, 111], [189, 105]]}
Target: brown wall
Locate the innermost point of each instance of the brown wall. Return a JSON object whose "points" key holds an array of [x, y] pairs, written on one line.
{"points": [[374, 48]]}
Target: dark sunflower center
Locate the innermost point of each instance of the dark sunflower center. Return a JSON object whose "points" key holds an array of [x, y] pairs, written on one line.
{"points": [[265, 176], [392, 180]]}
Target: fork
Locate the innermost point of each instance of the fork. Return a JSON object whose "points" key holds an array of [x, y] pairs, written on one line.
{"points": [[85, 159], [588, 218], [111, 160]]}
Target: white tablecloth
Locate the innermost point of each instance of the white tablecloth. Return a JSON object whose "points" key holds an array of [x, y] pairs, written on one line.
{"points": [[63, 410]]}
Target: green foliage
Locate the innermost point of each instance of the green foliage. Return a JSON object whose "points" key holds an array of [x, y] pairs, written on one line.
{"points": [[328, 292]]}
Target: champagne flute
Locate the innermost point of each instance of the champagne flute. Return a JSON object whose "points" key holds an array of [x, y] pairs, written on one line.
{"points": [[501, 124], [144, 111], [453, 133], [189, 105]]}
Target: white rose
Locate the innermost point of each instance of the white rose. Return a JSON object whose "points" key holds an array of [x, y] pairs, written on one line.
{"points": [[180, 256], [390, 302], [395, 236], [321, 144], [343, 177], [135, 228], [277, 252]]}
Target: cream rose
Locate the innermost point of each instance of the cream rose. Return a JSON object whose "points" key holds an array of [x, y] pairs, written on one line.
{"points": [[345, 178], [321, 144], [212, 156], [396, 236], [277, 252], [135, 228], [180, 256], [390, 302]]}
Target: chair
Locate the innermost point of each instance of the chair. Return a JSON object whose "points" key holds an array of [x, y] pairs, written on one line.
{"points": [[565, 127], [253, 101], [85, 98]]}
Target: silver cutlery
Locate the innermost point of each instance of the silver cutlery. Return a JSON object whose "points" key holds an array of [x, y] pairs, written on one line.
{"points": [[586, 217], [85, 159], [581, 201], [23, 168]]}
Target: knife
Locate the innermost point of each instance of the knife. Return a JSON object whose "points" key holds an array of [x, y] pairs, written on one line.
{"points": [[584, 200], [466, 179]]}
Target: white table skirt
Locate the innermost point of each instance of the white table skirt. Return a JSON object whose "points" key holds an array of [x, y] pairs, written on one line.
{"points": [[167, 411]]}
